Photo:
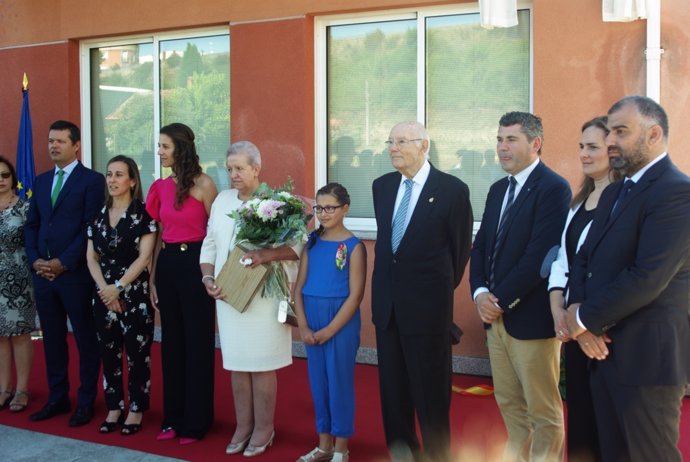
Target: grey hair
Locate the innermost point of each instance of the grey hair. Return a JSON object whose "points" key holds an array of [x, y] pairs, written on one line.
{"points": [[530, 124], [419, 131], [247, 148]]}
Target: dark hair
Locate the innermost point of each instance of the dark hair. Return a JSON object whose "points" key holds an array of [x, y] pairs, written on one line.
{"points": [[74, 132], [133, 172], [186, 161], [530, 124], [341, 195], [648, 108], [13, 172]]}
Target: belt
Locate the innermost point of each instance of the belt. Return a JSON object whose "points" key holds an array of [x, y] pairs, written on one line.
{"points": [[181, 246]]}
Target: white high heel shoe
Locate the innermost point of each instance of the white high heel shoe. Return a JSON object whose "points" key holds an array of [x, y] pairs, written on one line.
{"points": [[253, 451]]}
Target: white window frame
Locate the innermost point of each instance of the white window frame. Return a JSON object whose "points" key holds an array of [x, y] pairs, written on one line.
{"points": [[85, 79], [366, 227]]}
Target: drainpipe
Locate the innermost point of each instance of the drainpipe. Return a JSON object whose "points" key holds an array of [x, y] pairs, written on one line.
{"points": [[654, 50]]}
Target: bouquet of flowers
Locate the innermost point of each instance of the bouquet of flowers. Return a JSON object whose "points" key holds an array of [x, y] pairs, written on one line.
{"points": [[272, 218]]}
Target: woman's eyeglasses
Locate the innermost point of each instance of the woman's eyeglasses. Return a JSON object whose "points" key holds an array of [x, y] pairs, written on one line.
{"points": [[112, 245], [326, 208], [5, 175]]}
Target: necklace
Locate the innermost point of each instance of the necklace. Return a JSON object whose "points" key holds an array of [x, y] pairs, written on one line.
{"points": [[4, 205]]}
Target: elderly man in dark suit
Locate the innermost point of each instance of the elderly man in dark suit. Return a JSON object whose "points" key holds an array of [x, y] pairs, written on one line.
{"points": [[629, 288], [424, 233], [523, 220], [65, 199]]}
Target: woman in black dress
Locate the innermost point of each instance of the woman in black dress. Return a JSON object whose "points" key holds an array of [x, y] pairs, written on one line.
{"points": [[121, 242], [583, 442]]}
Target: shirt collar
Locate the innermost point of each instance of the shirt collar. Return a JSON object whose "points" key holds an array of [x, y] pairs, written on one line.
{"points": [[638, 175], [521, 177], [68, 168], [422, 174]]}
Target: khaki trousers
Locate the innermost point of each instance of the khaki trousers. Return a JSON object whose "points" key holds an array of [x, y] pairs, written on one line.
{"points": [[525, 375]]}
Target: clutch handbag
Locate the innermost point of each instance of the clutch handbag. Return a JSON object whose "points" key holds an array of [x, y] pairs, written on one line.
{"points": [[238, 283]]}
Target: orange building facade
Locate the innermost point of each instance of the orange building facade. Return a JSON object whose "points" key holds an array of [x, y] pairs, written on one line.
{"points": [[578, 67]]}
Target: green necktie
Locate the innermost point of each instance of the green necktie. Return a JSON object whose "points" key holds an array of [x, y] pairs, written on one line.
{"points": [[57, 188]]}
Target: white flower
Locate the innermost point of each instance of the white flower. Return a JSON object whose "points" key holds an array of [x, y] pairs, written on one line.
{"points": [[285, 195], [268, 209]]}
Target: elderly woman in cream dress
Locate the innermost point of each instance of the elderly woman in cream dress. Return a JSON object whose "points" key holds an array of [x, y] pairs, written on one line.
{"points": [[254, 344]]}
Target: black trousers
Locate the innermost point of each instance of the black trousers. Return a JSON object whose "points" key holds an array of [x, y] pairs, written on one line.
{"points": [[415, 379], [187, 316], [635, 423], [133, 329], [583, 439]]}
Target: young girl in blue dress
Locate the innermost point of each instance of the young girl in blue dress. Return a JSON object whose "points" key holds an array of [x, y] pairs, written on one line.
{"points": [[329, 289]]}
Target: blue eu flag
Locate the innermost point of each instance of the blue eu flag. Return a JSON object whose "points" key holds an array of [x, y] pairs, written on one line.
{"points": [[25, 150]]}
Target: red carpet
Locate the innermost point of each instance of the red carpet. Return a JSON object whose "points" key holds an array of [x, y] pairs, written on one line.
{"points": [[478, 432]]}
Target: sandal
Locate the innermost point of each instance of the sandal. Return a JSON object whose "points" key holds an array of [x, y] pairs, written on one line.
{"points": [[109, 427], [19, 407], [130, 429], [316, 455], [9, 394]]}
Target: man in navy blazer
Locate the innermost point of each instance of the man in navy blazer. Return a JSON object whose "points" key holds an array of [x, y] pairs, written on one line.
{"points": [[523, 220], [64, 200], [629, 290], [422, 246]]}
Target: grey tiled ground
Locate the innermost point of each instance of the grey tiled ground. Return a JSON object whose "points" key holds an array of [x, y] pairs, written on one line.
{"points": [[27, 446]]}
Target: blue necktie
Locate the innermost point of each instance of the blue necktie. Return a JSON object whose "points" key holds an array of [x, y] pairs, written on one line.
{"points": [[399, 220], [627, 186], [500, 234]]}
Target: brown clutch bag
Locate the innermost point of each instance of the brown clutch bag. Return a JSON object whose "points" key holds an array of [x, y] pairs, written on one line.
{"points": [[238, 283]]}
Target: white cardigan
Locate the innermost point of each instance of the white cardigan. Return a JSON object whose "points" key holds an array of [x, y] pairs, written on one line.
{"points": [[559, 268]]}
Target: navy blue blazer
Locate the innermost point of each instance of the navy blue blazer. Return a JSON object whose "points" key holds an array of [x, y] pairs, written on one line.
{"points": [[534, 227], [418, 282], [632, 276], [60, 231]]}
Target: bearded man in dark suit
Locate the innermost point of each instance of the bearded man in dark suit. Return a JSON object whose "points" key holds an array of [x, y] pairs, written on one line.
{"points": [[424, 232], [629, 288]]}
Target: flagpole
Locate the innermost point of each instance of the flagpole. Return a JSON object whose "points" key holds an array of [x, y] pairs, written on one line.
{"points": [[25, 161]]}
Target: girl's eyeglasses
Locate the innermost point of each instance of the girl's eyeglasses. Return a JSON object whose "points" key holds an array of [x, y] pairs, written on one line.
{"points": [[326, 208]]}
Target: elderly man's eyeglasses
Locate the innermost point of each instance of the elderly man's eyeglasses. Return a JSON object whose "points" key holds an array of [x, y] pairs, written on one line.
{"points": [[400, 143], [326, 208], [112, 244]]}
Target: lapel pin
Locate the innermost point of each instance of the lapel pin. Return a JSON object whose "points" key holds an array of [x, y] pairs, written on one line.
{"points": [[431, 199]]}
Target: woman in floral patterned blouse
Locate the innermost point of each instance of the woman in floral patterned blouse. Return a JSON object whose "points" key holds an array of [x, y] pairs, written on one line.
{"points": [[121, 242]]}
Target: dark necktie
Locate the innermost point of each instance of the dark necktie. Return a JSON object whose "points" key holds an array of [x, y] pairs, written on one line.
{"points": [[399, 220], [627, 186], [500, 234]]}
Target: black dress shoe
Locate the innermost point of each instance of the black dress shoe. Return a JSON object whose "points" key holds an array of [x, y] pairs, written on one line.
{"points": [[51, 410], [82, 415]]}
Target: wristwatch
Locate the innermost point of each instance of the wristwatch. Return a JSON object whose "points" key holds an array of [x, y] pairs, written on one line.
{"points": [[119, 285]]}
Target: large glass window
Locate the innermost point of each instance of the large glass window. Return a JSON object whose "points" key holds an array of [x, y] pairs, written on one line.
{"points": [[137, 86], [438, 66]]}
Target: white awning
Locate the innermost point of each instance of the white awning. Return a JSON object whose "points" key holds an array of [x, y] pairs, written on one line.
{"points": [[498, 13], [623, 10]]}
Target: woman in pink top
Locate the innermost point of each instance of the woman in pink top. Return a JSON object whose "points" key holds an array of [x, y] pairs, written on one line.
{"points": [[181, 204]]}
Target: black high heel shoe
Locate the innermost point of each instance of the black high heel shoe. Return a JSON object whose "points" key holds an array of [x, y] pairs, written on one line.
{"points": [[130, 429], [109, 427]]}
